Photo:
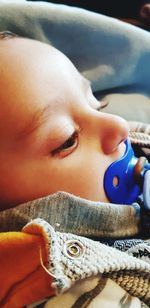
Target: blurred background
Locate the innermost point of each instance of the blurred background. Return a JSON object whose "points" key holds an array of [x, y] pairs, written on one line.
{"points": [[136, 12]]}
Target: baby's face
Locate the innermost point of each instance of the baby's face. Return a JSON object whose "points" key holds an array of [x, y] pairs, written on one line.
{"points": [[52, 137]]}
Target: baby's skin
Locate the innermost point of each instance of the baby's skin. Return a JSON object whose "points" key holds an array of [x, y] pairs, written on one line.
{"points": [[53, 135]]}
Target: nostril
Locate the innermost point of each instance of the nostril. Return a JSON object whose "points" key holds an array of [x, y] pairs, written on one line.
{"points": [[110, 146]]}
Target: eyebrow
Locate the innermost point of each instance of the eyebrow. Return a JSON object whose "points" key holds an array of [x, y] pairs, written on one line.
{"points": [[41, 115], [35, 122]]}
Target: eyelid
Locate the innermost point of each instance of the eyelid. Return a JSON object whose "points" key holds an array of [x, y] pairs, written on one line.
{"points": [[65, 152], [103, 105]]}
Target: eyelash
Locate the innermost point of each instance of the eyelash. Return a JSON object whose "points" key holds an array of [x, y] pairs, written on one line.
{"points": [[68, 146], [103, 105]]}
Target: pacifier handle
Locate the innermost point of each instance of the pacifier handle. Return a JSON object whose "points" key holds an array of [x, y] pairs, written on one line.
{"points": [[124, 178], [139, 168]]}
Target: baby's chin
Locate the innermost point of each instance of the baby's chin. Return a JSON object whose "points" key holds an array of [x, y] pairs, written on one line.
{"points": [[105, 199]]}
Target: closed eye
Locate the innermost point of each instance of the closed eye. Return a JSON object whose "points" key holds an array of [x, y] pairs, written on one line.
{"points": [[102, 105], [67, 147]]}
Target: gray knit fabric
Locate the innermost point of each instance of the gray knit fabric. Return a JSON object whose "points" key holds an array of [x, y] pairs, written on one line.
{"points": [[68, 213], [93, 258]]}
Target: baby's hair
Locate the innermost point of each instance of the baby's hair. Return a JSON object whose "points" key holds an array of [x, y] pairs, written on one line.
{"points": [[7, 35]]}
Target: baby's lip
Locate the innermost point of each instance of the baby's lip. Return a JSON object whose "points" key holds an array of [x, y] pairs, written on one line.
{"points": [[125, 143], [125, 146], [122, 150]]}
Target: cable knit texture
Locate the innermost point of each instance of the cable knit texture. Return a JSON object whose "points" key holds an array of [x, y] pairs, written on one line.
{"points": [[94, 258]]}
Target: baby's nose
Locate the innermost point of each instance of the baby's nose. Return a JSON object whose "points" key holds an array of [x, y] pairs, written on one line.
{"points": [[114, 130]]}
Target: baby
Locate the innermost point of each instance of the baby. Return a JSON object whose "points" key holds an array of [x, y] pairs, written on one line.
{"points": [[53, 135]]}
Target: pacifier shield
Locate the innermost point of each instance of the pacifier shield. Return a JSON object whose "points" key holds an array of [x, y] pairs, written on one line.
{"points": [[120, 184]]}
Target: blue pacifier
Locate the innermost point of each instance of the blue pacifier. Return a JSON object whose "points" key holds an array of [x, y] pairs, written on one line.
{"points": [[126, 178]]}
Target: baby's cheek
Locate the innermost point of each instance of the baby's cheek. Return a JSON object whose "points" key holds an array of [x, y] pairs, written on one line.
{"points": [[87, 181]]}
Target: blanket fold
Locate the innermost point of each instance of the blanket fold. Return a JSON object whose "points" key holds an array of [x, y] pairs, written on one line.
{"points": [[73, 258], [69, 213]]}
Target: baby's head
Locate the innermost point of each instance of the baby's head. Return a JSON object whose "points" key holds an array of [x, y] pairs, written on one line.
{"points": [[52, 135]]}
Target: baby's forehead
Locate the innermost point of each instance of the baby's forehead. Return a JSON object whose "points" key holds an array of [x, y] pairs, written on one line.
{"points": [[17, 75], [29, 83], [26, 52], [12, 45]]}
